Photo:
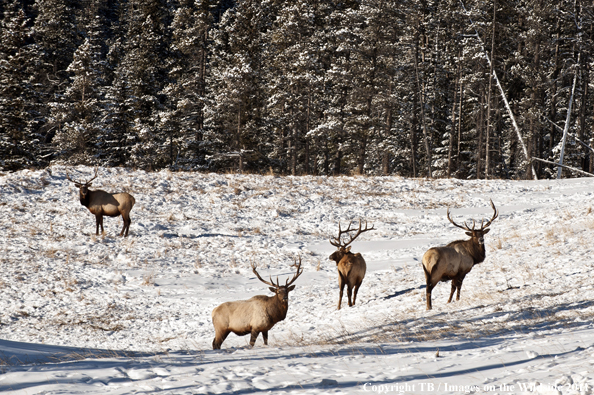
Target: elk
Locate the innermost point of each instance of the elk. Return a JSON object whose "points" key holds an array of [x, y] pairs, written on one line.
{"points": [[255, 315], [102, 203], [455, 260], [351, 267]]}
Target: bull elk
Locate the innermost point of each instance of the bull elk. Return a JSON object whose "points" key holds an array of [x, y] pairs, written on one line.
{"points": [[351, 267], [102, 203], [255, 315], [455, 260]]}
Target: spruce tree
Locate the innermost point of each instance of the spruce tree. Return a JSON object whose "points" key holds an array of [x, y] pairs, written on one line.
{"points": [[20, 141]]}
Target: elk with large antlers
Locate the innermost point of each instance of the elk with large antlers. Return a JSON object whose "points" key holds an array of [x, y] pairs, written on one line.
{"points": [[102, 203], [255, 315], [351, 267], [454, 261]]}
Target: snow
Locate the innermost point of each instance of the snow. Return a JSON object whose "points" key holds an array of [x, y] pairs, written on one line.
{"points": [[81, 313]]}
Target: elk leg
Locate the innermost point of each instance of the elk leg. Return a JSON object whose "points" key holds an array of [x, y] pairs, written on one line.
{"points": [[454, 286], [350, 294], [459, 288], [127, 222], [429, 289], [98, 219], [341, 284], [357, 286], [128, 226], [253, 338], [265, 337], [124, 228], [218, 340]]}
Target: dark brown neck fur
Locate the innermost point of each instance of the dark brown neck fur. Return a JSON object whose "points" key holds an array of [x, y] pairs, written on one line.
{"points": [[277, 309], [84, 200], [473, 249]]}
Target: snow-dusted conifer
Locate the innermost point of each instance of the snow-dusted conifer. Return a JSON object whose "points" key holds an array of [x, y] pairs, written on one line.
{"points": [[21, 143]]}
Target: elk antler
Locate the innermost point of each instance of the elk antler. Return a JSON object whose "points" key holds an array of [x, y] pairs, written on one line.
{"points": [[495, 215], [338, 243], [297, 274], [70, 179], [271, 283], [277, 285], [483, 225], [87, 183]]}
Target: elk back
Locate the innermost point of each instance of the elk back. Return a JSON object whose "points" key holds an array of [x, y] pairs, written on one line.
{"points": [[446, 262], [111, 204], [353, 263]]}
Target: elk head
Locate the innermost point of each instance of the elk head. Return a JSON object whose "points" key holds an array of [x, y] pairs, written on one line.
{"points": [[281, 291], [476, 235], [343, 247], [83, 186]]}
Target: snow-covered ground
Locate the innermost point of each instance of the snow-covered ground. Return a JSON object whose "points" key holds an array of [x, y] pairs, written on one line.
{"points": [[81, 313]]}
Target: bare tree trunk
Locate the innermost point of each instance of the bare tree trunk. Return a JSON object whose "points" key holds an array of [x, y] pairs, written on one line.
{"points": [[567, 120], [362, 153], [420, 93], [504, 97], [488, 132], [413, 136], [479, 130], [553, 110], [453, 127], [459, 126], [582, 111], [386, 154], [238, 138], [307, 121]]}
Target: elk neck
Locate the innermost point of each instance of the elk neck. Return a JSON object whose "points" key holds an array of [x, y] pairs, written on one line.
{"points": [[85, 199], [476, 250], [473, 248], [278, 309]]}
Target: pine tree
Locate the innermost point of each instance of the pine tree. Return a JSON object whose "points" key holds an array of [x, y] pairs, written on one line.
{"points": [[293, 86], [20, 143], [80, 137], [140, 75], [186, 91], [235, 80]]}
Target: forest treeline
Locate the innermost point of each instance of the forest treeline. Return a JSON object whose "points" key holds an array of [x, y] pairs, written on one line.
{"points": [[299, 87]]}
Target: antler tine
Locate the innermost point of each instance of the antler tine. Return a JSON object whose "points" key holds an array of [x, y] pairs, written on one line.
{"points": [[77, 183], [96, 173], [359, 231], [297, 274], [260, 278], [465, 227], [495, 215], [338, 243], [70, 179]]}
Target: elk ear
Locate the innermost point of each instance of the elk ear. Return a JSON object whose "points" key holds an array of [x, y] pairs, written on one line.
{"points": [[292, 287], [469, 234], [272, 289], [78, 185], [348, 249], [486, 231]]}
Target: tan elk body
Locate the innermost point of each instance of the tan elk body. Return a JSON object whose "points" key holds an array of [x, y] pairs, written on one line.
{"points": [[102, 203], [351, 267], [255, 315], [455, 260]]}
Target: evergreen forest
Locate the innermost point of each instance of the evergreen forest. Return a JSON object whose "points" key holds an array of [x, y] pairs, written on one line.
{"points": [[418, 88]]}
